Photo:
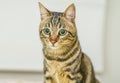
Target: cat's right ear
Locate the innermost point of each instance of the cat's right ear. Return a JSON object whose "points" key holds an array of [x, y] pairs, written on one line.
{"points": [[70, 13], [44, 12]]}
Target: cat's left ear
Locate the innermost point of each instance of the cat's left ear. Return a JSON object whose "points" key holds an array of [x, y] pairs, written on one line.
{"points": [[43, 11], [70, 13]]}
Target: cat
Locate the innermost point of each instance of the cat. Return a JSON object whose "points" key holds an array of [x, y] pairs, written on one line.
{"points": [[64, 61]]}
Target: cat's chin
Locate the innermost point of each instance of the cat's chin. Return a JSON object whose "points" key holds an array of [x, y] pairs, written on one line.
{"points": [[54, 47]]}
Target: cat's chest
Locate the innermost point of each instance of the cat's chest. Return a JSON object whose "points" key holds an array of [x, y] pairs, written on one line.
{"points": [[54, 66], [55, 69]]}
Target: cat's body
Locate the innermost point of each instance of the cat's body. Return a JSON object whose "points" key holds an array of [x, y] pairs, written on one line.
{"points": [[64, 62]]}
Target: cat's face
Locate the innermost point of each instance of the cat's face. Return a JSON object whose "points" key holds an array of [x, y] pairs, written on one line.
{"points": [[57, 30]]}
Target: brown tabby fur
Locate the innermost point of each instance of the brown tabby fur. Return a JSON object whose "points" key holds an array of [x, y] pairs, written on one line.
{"points": [[64, 61]]}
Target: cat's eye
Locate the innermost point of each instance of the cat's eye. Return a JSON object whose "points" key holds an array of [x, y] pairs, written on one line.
{"points": [[47, 31], [62, 32]]}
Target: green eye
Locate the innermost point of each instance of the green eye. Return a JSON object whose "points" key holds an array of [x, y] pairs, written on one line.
{"points": [[47, 31], [62, 32]]}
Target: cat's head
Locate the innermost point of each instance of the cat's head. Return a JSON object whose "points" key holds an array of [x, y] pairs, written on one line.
{"points": [[58, 30]]}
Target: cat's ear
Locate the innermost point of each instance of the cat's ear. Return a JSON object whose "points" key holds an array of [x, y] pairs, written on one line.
{"points": [[70, 13], [43, 11]]}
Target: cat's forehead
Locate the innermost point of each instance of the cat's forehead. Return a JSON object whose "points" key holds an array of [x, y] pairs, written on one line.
{"points": [[56, 14], [55, 19]]}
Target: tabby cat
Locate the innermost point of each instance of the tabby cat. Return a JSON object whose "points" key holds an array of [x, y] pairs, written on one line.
{"points": [[64, 61]]}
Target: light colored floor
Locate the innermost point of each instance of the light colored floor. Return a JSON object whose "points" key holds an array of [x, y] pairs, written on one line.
{"points": [[18, 81], [25, 79]]}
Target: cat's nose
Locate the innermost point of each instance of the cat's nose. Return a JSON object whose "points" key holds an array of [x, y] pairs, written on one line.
{"points": [[53, 42], [53, 39]]}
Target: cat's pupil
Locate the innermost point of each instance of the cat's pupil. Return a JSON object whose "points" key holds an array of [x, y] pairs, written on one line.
{"points": [[62, 32], [47, 31]]}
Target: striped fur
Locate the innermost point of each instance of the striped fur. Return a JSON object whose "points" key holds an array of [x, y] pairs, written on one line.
{"points": [[64, 62]]}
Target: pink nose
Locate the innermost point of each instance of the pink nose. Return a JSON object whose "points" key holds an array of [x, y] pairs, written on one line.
{"points": [[53, 41]]}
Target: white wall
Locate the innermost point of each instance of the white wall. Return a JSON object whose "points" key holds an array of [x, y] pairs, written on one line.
{"points": [[112, 48]]}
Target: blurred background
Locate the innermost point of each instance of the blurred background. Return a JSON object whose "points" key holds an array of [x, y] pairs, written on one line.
{"points": [[98, 23]]}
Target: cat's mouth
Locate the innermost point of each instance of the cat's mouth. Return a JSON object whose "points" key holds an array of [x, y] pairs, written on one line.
{"points": [[53, 46]]}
